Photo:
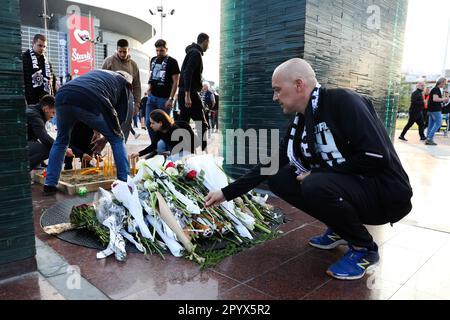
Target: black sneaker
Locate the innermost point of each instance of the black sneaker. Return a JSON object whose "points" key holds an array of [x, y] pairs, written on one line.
{"points": [[49, 190], [423, 139], [430, 143], [402, 138]]}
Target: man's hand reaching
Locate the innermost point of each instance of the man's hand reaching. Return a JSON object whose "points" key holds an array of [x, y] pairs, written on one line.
{"points": [[98, 143]]}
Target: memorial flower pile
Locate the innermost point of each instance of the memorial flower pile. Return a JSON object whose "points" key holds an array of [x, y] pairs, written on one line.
{"points": [[162, 208]]}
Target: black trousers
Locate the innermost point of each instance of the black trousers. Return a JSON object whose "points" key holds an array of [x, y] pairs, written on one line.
{"points": [[415, 117], [37, 152], [343, 202], [196, 113]]}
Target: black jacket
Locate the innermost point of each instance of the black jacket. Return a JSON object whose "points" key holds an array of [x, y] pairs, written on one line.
{"points": [[361, 147], [191, 70], [80, 140], [36, 126], [167, 138], [101, 91], [417, 102], [33, 95]]}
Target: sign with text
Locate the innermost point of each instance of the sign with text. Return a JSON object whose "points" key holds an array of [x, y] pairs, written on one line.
{"points": [[81, 48]]}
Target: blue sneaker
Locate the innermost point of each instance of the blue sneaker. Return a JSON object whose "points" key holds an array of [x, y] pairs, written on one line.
{"points": [[354, 264], [329, 240]]}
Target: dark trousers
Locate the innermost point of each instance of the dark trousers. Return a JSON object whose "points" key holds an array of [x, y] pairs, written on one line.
{"points": [[343, 202], [213, 121], [38, 152], [196, 113], [136, 120], [425, 118], [415, 117]]}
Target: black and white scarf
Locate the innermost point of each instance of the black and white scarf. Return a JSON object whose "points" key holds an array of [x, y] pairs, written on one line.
{"points": [[293, 159], [40, 78], [159, 74]]}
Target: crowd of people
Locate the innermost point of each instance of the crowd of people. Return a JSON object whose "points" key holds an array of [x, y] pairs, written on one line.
{"points": [[114, 93], [426, 110]]}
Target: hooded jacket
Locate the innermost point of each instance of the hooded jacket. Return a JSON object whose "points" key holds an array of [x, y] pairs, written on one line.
{"points": [[36, 125], [191, 70]]}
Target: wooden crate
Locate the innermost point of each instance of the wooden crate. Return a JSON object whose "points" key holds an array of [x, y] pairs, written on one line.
{"points": [[71, 189]]}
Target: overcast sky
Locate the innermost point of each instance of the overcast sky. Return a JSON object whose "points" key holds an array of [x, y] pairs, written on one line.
{"points": [[425, 37]]}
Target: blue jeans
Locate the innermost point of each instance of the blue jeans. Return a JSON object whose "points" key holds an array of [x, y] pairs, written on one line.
{"points": [[434, 123], [136, 120], [153, 103], [173, 156], [53, 121], [67, 116], [162, 147]]}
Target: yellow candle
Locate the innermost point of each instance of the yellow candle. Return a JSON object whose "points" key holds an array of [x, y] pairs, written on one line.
{"points": [[109, 162]]}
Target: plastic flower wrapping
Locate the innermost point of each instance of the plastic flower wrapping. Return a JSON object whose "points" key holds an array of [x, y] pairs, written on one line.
{"points": [[162, 209]]}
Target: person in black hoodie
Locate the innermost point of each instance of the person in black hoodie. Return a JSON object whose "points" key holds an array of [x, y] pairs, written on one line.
{"points": [[337, 164], [171, 137], [191, 106], [102, 100], [39, 141], [416, 112]]}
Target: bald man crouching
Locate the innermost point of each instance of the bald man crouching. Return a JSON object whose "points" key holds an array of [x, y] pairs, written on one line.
{"points": [[337, 164]]}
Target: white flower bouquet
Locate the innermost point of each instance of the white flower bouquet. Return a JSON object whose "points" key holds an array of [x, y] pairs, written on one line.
{"points": [[162, 207]]}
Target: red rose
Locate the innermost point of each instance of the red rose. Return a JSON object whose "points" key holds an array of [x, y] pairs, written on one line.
{"points": [[191, 175], [170, 165]]}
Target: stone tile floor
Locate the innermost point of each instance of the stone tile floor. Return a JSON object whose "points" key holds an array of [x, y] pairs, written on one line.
{"points": [[415, 260]]}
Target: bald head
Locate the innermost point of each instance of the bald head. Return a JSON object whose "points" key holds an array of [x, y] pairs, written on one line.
{"points": [[295, 69], [420, 85], [293, 82]]}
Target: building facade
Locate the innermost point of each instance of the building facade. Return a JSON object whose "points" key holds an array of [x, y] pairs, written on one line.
{"points": [[80, 36]]}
